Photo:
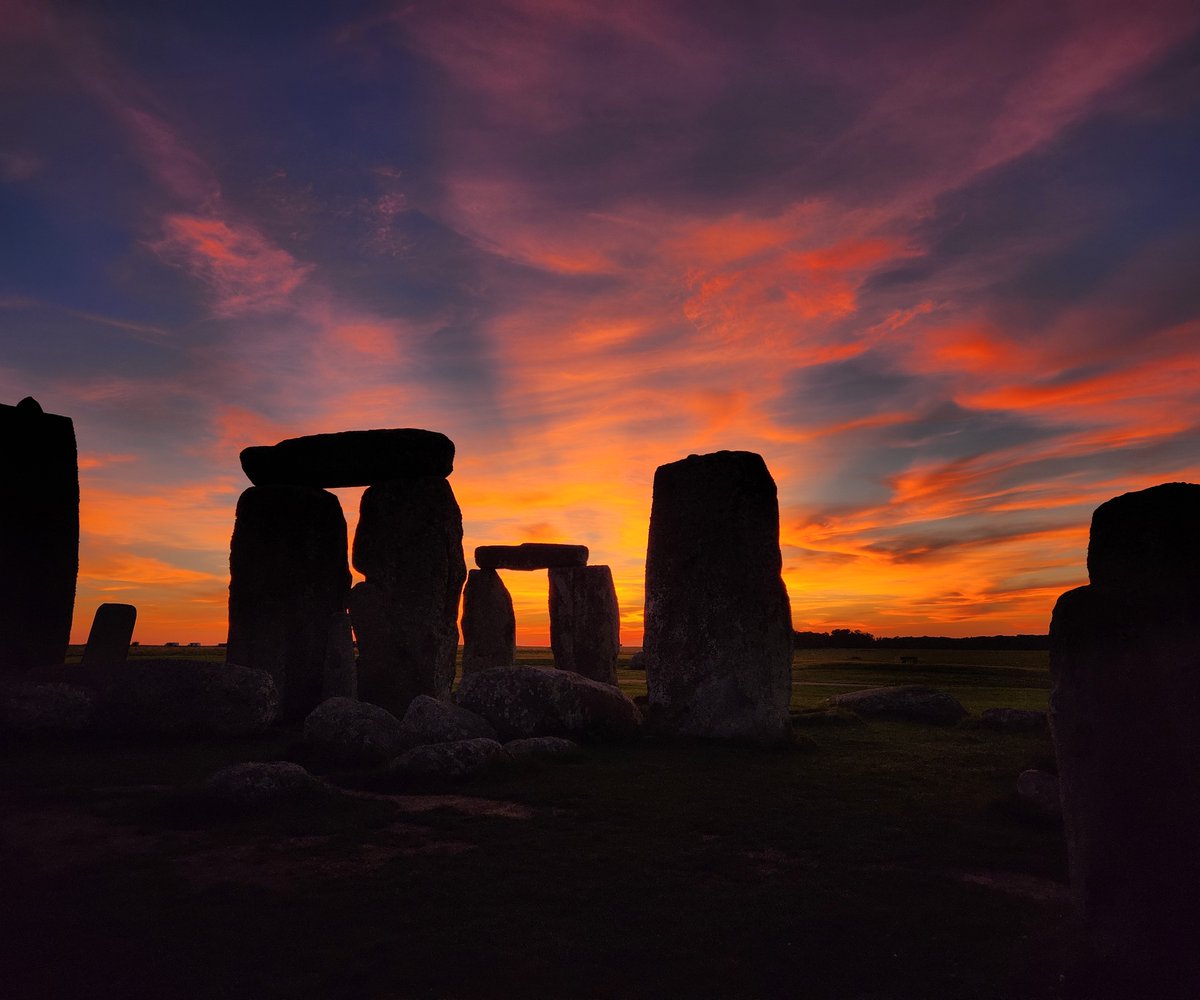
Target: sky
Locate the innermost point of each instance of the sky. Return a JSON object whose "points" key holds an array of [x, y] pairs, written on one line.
{"points": [[935, 261]]}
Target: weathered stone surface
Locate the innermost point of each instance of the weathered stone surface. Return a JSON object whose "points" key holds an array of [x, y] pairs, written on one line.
{"points": [[191, 696], [27, 708], [1148, 541], [521, 702], [409, 547], [585, 622], [489, 627], [1039, 791], [351, 733], [906, 701], [257, 783], [1012, 720], [341, 670], [39, 536], [108, 641], [433, 720], [718, 638], [530, 556], [448, 761], [288, 578], [542, 746], [350, 458]]}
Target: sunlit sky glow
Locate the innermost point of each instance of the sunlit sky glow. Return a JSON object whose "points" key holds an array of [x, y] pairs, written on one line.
{"points": [[937, 262]]}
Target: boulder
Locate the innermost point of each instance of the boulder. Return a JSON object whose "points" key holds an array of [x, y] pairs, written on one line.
{"points": [[1147, 542], [637, 661], [288, 580], [448, 761], [351, 733], [530, 556], [350, 458], [108, 641], [1039, 791], [521, 702], [258, 783], [718, 629], [489, 627], [39, 536], [585, 621], [914, 702], [27, 708], [1012, 720], [542, 746], [433, 720]]}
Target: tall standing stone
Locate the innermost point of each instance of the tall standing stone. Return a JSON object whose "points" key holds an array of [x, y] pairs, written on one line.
{"points": [[108, 641], [718, 630], [409, 547], [1125, 715], [288, 577], [489, 626], [39, 536], [585, 622]]}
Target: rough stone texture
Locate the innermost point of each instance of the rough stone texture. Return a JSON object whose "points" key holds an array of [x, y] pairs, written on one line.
{"points": [[1148, 541], [1012, 720], [521, 702], [448, 761], [530, 555], [27, 708], [585, 622], [341, 670], [39, 536], [1039, 790], [350, 458], [258, 783], [351, 733], [432, 720], [914, 702], [542, 746], [718, 638], [409, 547], [489, 627], [108, 641], [288, 577], [177, 696]]}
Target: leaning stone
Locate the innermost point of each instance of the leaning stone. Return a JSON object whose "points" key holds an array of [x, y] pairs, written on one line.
{"points": [[448, 761], [350, 458], [914, 702], [1012, 720], [1039, 791], [108, 641], [489, 627], [1148, 542], [340, 676], [718, 635], [530, 556], [521, 702], [351, 733], [27, 708], [259, 783], [39, 536], [585, 622], [433, 720], [288, 577], [542, 746]]}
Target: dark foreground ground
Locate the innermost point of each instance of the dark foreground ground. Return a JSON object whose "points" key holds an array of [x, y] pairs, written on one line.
{"points": [[888, 860]]}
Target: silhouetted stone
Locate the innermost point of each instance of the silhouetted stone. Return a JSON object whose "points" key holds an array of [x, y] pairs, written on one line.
{"points": [[456, 761], [914, 702], [1039, 791], [180, 696], [585, 622], [432, 720], [351, 733], [1012, 720], [288, 577], [637, 661], [341, 672], [350, 458], [39, 536], [27, 708], [521, 702], [108, 641], [405, 614], [530, 555], [718, 630], [489, 628], [260, 783], [1148, 542]]}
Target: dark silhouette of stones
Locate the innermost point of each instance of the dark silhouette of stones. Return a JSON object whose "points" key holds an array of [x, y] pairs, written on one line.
{"points": [[543, 746], [288, 578], [456, 761], [39, 542], [341, 671], [350, 458], [108, 641], [432, 720], [351, 733], [718, 630], [1012, 720], [530, 555], [914, 702], [637, 661], [522, 702], [196, 697], [489, 627], [585, 622], [260, 783], [1039, 791], [1148, 541], [409, 547], [29, 708]]}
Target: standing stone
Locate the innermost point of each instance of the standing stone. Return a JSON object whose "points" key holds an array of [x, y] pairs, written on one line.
{"points": [[585, 622], [39, 536], [288, 577], [341, 672], [1125, 715], [718, 638], [108, 641], [409, 547], [489, 626]]}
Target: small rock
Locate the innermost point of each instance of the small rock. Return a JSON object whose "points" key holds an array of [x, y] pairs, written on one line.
{"points": [[431, 720], [826, 717], [352, 733], [1012, 720], [448, 761], [906, 701], [1039, 790], [541, 746], [255, 783]]}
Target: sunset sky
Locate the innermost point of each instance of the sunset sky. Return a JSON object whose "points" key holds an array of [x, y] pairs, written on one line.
{"points": [[939, 263]]}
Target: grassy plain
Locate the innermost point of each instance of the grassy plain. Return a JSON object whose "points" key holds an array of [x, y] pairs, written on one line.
{"points": [[883, 860]]}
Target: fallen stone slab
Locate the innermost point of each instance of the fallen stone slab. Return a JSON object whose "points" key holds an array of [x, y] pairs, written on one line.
{"points": [[1013, 720], [434, 720], [351, 733], [455, 761], [27, 708], [542, 746], [521, 702], [257, 783], [350, 458], [530, 556], [906, 701], [826, 717]]}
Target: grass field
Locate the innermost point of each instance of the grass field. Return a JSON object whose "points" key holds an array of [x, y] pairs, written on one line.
{"points": [[882, 860]]}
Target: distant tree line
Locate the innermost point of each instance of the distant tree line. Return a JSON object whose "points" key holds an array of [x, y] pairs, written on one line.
{"points": [[846, 638]]}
